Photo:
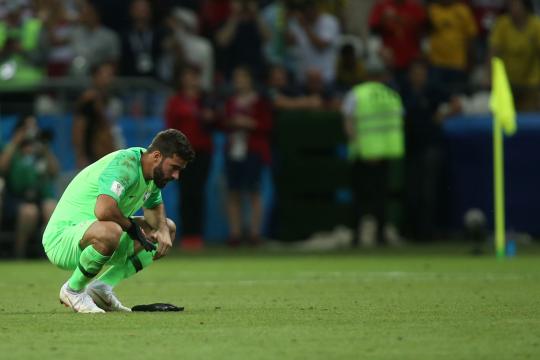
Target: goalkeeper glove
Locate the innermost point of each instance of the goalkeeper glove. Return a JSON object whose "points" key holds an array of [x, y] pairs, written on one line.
{"points": [[135, 232]]}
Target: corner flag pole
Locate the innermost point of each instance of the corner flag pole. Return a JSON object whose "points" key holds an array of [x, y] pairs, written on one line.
{"points": [[498, 187], [504, 118]]}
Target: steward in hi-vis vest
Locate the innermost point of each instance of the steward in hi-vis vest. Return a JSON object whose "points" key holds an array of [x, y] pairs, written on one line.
{"points": [[374, 126]]}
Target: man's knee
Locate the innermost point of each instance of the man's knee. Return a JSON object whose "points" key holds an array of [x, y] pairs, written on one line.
{"points": [[172, 227], [104, 236], [110, 233]]}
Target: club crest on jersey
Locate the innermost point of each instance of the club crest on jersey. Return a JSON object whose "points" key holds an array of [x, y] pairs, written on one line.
{"points": [[117, 188]]}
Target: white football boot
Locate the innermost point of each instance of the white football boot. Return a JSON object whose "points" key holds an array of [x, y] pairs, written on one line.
{"points": [[104, 297], [79, 302]]}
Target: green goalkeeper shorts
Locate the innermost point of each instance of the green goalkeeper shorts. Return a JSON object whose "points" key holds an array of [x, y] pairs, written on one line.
{"points": [[62, 245]]}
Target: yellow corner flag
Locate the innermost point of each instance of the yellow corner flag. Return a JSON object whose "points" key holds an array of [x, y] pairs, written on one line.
{"points": [[502, 102], [504, 117]]}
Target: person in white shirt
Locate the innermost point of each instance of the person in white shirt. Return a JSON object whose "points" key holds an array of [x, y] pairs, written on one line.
{"points": [[315, 35], [192, 49]]}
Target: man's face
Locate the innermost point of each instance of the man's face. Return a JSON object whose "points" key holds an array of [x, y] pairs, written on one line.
{"points": [[140, 11], [242, 80], [168, 169], [104, 76], [191, 80], [516, 8]]}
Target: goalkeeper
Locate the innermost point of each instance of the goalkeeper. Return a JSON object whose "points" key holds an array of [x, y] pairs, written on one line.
{"points": [[93, 224]]}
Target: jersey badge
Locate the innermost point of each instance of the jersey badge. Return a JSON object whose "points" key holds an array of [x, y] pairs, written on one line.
{"points": [[117, 188]]}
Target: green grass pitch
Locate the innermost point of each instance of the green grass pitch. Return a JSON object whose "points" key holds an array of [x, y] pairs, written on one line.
{"points": [[252, 305]]}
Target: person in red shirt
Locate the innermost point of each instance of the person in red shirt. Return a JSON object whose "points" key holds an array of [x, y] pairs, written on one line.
{"points": [[248, 123], [400, 24], [190, 112]]}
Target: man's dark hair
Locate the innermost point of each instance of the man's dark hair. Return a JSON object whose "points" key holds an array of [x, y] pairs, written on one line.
{"points": [[172, 142]]}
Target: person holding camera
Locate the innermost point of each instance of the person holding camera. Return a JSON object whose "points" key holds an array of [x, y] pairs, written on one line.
{"points": [[29, 168]]}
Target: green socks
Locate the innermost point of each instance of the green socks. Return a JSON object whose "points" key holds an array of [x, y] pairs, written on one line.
{"points": [[138, 262], [113, 275], [90, 264], [134, 264]]}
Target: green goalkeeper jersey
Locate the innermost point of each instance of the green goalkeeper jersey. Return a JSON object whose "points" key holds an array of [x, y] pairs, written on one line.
{"points": [[118, 175]]}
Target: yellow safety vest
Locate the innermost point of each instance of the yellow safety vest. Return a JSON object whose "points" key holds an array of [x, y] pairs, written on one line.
{"points": [[379, 123]]}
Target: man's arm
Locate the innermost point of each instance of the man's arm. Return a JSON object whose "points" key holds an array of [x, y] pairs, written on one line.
{"points": [[348, 110], [348, 125], [6, 155], [226, 34], [156, 218], [107, 210], [53, 166]]}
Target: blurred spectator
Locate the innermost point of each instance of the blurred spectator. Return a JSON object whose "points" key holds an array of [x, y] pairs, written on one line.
{"points": [[213, 14], [190, 112], [59, 27], [357, 14], [285, 96], [401, 24], [29, 167], [277, 49], [322, 94], [188, 48], [536, 6], [114, 15], [23, 48], [516, 40], [164, 7], [22, 5], [423, 160], [93, 127], [485, 13], [452, 31], [242, 38], [141, 42], [315, 37], [374, 126], [474, 103], [248, 121], [93, 43], [336, 8], [349, 70]]}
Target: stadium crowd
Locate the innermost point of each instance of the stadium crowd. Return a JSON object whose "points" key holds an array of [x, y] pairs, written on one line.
{"points": [[235, 64]]}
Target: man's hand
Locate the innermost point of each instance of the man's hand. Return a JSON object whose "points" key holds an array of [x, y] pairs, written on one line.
{"points": [[137, 233], [163, 238]]}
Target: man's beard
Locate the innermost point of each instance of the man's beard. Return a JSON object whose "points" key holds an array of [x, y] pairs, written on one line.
{"points": [[159, 176]]}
